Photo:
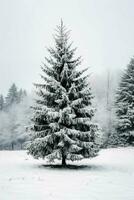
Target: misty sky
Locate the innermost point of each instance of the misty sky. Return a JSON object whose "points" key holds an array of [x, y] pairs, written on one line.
{"points": [[103, 31]]}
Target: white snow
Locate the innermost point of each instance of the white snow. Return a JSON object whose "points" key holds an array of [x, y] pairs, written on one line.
{"points": [[110, 176]]}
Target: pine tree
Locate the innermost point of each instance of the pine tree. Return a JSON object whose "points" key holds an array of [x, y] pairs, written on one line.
{"points": [[125, 107], [62, 120], [12, 96], [1, 102]]}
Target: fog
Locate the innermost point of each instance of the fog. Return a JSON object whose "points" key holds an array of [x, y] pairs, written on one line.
{"points": [[102, 30]]}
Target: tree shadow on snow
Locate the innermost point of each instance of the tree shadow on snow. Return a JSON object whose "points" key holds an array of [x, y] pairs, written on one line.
{"points": [[72, 167]]}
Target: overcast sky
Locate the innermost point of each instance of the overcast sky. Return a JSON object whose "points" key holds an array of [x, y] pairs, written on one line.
{"points": [[103, 31]]}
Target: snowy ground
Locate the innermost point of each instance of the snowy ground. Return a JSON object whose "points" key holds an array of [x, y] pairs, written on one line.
{"points": [[110, 176]]}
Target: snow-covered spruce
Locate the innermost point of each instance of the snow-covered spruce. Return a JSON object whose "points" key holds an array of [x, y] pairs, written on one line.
{"points": [[125, 107], [62, 120]]}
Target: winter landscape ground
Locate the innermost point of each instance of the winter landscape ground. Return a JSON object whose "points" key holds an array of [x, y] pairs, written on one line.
{"points": [[110, 176]]}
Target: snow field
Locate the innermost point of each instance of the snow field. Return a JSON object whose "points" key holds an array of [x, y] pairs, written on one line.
{"points": [[110, 176]]}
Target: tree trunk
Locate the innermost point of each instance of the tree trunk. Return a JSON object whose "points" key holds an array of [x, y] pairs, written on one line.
{"points": [[63, 161]]}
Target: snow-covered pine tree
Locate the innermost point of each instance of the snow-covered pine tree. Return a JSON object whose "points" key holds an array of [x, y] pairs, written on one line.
{"points": [[62, 120], [125, 107]]}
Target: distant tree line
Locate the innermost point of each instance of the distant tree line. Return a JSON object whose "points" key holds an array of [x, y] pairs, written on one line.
{"points": [[14, 96], [115, 108], [14, 116]]}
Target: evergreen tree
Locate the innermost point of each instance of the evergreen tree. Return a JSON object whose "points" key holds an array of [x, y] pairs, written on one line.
{"points": [[1, 102], [12, 96], [62, 120], [125, 107]]}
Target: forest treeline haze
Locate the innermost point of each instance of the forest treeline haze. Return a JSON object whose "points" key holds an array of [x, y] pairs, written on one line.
{"points": [[14, 118], [107, 99]]}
